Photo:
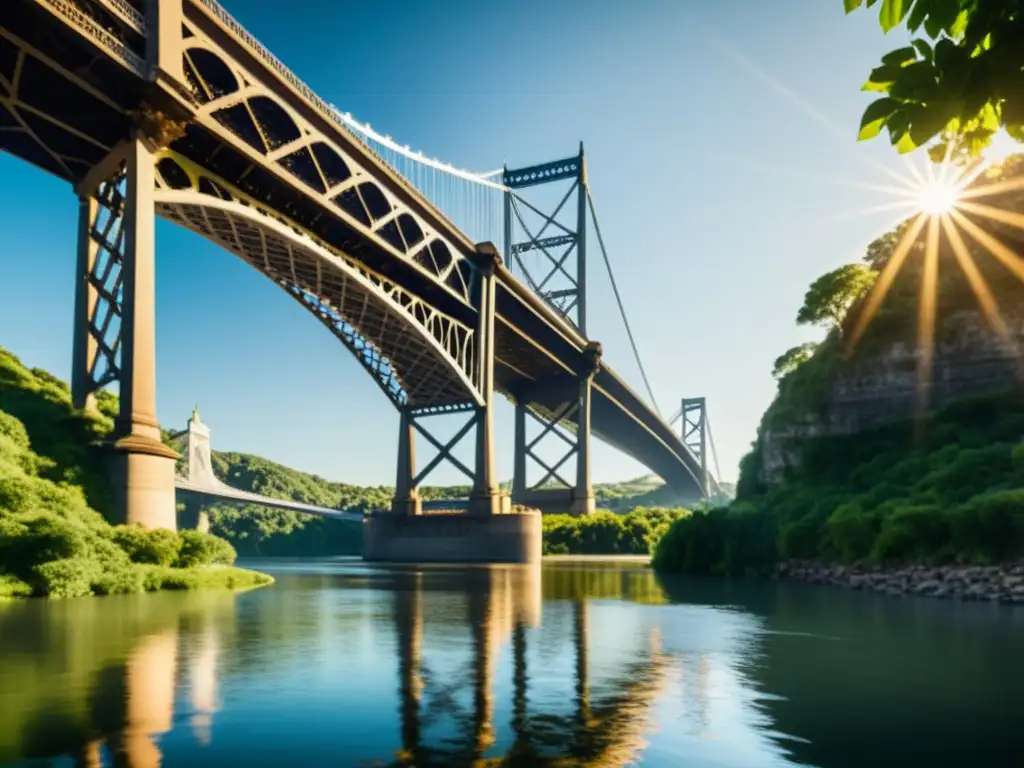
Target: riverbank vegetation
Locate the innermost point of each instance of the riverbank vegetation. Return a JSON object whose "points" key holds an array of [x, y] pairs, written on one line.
{"points": [[53, 540], [607, 533], [945, 486]]}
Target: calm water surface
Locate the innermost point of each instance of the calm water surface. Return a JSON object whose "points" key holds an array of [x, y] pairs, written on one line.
{"points": [[597, 664]]}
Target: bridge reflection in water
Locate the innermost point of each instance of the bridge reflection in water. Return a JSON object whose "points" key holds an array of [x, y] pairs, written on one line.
{"points": [[341, 663], [150, 681], [502, 603]]}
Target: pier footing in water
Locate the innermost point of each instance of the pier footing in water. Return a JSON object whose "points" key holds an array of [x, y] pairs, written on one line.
{"points": [[453, 538]]}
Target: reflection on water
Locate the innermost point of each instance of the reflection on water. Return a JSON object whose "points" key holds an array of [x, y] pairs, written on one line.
{"points": [[596, 664]]}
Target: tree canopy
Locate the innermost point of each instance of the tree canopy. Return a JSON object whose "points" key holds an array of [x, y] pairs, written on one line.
{"points": [[792, 359], [957, 84], [831, 295]]}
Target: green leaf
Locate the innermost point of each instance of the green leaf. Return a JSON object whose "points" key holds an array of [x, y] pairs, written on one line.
{"points": [[898, 124], [900, 57], [892, 13], [881, 76], [905, 144], [926, 123], [924, 49], [851, 5], [959, 25], [941, 16], [915, 83], [917, 14], [875, 116]]}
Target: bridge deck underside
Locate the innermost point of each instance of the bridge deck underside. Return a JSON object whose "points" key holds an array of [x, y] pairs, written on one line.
{"points": [[64, 104]]}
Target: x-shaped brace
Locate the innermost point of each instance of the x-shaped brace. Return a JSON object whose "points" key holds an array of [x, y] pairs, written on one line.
{"points": [[444, 451]]}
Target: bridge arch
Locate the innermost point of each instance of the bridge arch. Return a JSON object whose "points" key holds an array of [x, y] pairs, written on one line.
{"points": [[415, 353], [235, 105]]}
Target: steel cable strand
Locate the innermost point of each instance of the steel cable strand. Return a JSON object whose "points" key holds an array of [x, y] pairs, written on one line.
{"points": [[618, 299]]}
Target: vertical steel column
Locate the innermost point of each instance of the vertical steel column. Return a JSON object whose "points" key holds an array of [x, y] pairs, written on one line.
{"points": [[407, 500], [486, 497], [84, 348], [519, 460], [583, 495], [507, 245], [581, 244]]}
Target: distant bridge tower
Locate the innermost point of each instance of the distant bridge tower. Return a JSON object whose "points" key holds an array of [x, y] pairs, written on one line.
{"points": [[559, 279], [695, 421]]}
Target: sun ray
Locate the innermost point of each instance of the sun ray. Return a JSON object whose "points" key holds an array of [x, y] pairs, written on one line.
{"points": [[907, 205], [710, 35], [1012, 218], [971, 172], [946, 168], [907, 189], [987, 302], [915, 171], [926, 306], [992, 244], [884, 281], [994, 188]]}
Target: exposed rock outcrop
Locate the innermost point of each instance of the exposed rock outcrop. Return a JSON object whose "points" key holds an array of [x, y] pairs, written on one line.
{"points": [[970, 359]]}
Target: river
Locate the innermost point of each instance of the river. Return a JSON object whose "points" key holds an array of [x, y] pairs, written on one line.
{"points": [[598, 663]]}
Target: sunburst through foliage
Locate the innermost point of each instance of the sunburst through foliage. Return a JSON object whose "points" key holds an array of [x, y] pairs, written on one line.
{"points": [[949, 206]]}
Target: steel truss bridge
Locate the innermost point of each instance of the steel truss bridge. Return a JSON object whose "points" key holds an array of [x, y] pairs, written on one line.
{"points": [[171, 108]]}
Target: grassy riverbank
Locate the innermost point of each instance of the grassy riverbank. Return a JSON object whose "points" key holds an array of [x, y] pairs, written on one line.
{"points": [[54, 538]]}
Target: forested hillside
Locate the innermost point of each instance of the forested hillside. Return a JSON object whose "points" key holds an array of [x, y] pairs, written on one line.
{"points": [[55, 538]]}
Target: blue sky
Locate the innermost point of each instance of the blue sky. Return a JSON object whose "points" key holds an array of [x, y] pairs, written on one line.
{"points": [[713, 187]]}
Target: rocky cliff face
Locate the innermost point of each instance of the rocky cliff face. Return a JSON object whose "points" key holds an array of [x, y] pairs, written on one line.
{"points": [[881, 387]]}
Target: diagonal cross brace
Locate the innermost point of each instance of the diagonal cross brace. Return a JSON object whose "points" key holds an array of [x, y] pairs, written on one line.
{"points": [[445, 450], [550, 427]]}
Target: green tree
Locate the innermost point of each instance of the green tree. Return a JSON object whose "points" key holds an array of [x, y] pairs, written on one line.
{"points": [[957, 84], [792, 359], [831, 295]]}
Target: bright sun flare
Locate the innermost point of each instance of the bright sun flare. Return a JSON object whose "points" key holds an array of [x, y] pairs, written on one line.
{"points": [[938, 197]]}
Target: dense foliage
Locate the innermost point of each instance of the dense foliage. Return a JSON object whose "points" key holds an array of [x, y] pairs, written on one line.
{"points": [[606, 533], [960, 82], [52, 541], [946, 487]]}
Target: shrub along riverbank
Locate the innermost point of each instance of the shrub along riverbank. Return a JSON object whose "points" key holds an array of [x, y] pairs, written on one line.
{"points": [[607, 533], [53, 541]]}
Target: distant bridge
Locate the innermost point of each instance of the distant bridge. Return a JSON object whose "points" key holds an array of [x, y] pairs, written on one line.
{"points": [[172, 108], [194, 477]]}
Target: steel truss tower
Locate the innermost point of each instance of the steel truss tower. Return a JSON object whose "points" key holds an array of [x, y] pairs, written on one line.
{"points": [[695, 423], [559, 279]]}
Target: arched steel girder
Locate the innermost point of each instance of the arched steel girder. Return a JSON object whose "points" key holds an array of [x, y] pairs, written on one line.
{"points": [[416, 354]]}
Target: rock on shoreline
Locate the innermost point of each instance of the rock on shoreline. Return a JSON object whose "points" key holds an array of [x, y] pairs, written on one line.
{"points": [[996, 583]]}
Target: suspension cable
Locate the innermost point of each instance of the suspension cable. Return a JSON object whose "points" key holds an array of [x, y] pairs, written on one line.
{"points": [[618, 300]]}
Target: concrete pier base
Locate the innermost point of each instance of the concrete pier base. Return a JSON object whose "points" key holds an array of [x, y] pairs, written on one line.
{"points": [[453, 538], [143, 485]]}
